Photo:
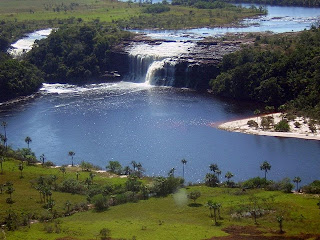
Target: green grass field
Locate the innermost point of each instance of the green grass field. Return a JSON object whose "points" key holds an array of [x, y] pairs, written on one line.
{"points": [[111, 11], [171, 217]]}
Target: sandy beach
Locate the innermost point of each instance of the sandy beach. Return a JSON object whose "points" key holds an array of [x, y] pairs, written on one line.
{"points": [[302, 131]]}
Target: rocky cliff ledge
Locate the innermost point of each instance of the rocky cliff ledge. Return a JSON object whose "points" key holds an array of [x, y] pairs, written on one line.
{"points": [[197, 66]]}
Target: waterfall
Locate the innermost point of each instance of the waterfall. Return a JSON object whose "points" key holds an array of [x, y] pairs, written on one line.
{"points": [[161, 72], [155, 64]]}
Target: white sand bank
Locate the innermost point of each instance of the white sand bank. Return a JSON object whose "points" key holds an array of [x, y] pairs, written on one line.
{"points": [[302, 132]]}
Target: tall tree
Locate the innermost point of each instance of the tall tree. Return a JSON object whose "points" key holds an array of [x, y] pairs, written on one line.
{"points": [[4, 125], [297, 180], [114, 167], [257, 112], [28, 140], [171, 172], [67, 205], [280, 220], [218, 172], [42, 158], [21, 169], [228, 176], [184, 162], [1, 162], [9, 191], [63, 170], [214, 168], [3, 139], [71, 154], [265, 166], [215, 206]]}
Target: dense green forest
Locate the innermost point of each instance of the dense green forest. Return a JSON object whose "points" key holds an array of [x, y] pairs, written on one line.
{"points": [[76, 53], [17, 78], [305, 3], [277, 70]]}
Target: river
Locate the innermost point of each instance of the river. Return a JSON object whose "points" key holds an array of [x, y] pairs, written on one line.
{"points": [[157, 126]]}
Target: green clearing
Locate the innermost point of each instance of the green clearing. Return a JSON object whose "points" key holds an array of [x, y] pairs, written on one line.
{"points": [[26, 198], [171, 217], [122, 13]]}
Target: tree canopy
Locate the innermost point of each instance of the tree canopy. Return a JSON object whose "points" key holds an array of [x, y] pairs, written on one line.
{"points": [[280, 69], [76, 53]]}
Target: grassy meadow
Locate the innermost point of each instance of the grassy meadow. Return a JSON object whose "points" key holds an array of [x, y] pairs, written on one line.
{"points": [[171, 217], [110, 11]]}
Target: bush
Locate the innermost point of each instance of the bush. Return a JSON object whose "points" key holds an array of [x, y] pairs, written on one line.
{"points": [[156, 8], [133, 184], [284, 185], [252, 123], [100, 202], [313, 188], [194, 195], [163, 186], [211, 180], [72, 186], [49, 164], [256, 182], [282, 126]]}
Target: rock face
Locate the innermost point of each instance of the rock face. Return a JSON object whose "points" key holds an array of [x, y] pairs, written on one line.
{"points": [[193, 69]]}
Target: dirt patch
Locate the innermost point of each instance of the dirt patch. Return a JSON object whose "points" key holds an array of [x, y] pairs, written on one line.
{"points": [[253, 233]]}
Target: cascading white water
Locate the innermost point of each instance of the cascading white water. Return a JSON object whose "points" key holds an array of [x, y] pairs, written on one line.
{"points": [[155, 64], [161, 72]]}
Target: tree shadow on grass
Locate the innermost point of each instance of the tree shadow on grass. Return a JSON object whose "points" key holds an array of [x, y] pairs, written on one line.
{"points": [[195, 205]]}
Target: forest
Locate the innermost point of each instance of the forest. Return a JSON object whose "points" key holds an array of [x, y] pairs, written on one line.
{"points": [[18, 78], [280, 70], [76, 53]]}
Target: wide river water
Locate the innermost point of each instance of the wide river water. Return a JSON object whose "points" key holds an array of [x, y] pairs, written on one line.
{"points": [[159, 126]]}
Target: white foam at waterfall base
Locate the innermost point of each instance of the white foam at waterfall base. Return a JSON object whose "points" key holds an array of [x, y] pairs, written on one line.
{"points": [[148, 59], [167, 65]]}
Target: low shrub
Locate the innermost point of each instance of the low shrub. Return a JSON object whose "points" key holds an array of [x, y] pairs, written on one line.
{"points": [[313, 188]]}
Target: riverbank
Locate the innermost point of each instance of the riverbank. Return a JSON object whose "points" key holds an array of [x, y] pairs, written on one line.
{"points": [[302, 131], [15, 101]]}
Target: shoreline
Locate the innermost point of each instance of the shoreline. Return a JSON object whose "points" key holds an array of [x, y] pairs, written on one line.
{"points": [[18, 100], [303, 132]]}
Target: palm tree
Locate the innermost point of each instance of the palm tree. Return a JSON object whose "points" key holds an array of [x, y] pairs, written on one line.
{"points": [[3, 139], [184, 162], [42, 158], [215, 206], [218, 172], [1, 161], [257, 112], [171, 172], [297, 180], [214, 168], [265, 166], [228, 176], [68, 205], [63, 170], [4, 125], [280, 220], [28, 140], [91, 176], [71, 154], [134, 165], [127, 170], [54, 179], [21, 169], [10, 190]]}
